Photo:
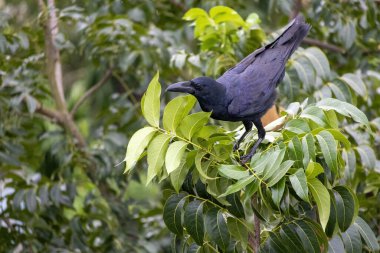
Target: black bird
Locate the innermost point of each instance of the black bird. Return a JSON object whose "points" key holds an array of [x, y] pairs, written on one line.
{"points": [[246, 91]]}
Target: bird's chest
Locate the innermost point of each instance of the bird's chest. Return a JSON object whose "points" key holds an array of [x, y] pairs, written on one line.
{"points": [[218, 111]]}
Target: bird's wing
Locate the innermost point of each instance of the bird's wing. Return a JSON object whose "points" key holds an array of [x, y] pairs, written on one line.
{"points": [[253, 90]]}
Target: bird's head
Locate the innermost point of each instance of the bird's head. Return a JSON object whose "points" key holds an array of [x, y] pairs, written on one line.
{"points": [[200, 87]]}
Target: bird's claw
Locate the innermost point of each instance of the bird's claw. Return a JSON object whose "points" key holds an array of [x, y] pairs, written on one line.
{"points": [[236, 146], [245, 158]]}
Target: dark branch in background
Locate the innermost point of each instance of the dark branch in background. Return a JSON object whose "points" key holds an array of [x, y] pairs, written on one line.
{"points": [[91, 91], [324, 45], [296, 9], [126, 88], [54, 71]]}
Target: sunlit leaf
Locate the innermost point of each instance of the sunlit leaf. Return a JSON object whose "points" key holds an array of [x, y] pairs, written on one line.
{"points": [[150, 106], [322, 199], [137, 145], [174, 155], [298, 180], [156, 154], [193, 123], [176, 110]]}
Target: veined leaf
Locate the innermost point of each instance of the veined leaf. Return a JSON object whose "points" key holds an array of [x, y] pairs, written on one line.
{"points": [[193, 221], [291, 238], [238, 185], [280, 173], [236, 208], [322, 199], [193, 123], [199, 165], [319, 61], [343, 108], [174, 155], [352, 241], [340, 137], [367, 156], [177, 177], [137, 145], [238, 231], [297, 126], [233, 171], [150, 105], [194, 13], [308, 236], [299, 184], [172, 213], [355, 83], [367, 234], [275, 160], [308, 149], [336, 245], [295, 151], [345, 207], [278, 191], [217, 229], [176, 110], [329, 149], [315, 114], [313, 170], [156, 154]]}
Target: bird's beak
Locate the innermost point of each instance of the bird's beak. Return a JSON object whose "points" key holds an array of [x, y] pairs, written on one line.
{"points": [[184, 87]]}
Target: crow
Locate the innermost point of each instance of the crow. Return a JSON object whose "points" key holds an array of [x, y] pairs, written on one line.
{"points": [[246, 91]]}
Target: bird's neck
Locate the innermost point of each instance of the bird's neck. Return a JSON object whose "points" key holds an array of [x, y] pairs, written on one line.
{"points": [[213, 101]]}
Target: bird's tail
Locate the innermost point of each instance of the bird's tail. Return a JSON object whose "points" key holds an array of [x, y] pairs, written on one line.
{"points": [[292, 36]]}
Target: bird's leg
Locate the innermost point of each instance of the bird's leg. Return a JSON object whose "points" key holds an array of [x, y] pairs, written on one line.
{"points": [[248, 127], [261, 134]]}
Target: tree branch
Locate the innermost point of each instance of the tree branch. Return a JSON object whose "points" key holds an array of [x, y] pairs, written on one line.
{"points": [[91, 91], [54, 69], [325, 45], [125, 86]]}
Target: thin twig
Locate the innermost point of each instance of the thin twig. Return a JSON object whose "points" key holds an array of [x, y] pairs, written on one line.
{"points": [[324, 45], [126, 87], [91, 91], [257, 230], [54, 71]]}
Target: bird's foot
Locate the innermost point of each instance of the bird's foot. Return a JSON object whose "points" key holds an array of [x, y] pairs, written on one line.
{"points": [[245, 158], [236, 146]]}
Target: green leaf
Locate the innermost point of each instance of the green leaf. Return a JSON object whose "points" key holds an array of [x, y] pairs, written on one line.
{"points": [[31, 201], [340, 137], [177, 177], [343, 108], [235, 208], [291, 238], [341, 91], [367, 156], [297, 126], [193, 221], [319, 61], [345, 207], [233, 171], [156, 154], [275, 160], [336, 245], [280, 173], [238, 231], [356, 83], [322, 199], [217, 229], [313, 170], [329, 149], [278, 191], [172, 213], [308, 149], [308, 236], [174, 155], [298, 181], [176, 110], [367, 234], [352, 241], [194, 13], [295, 151], [150, 105], [238, 185], [315, 114], [202, 167], [137, 145], [193, 123]]}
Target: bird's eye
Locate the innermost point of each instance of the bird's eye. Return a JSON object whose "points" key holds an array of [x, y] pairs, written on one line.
{"points": [[197, 86]]}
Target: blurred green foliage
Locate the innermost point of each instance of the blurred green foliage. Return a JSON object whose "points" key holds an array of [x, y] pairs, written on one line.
{"points": [[56, 197]]}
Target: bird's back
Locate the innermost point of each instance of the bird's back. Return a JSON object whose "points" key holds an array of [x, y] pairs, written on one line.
{"points": [[252, 82]]}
